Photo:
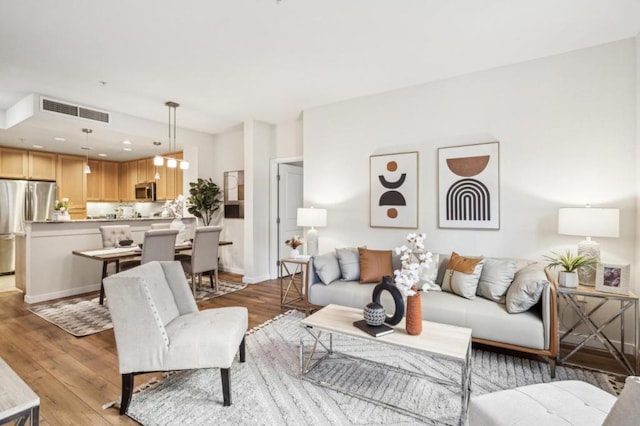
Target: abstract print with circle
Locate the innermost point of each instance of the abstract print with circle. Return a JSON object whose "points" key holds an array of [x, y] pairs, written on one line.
{"points": [[394, 190]]}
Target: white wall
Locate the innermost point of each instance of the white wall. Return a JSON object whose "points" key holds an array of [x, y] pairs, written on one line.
{"points": [[288, 139], [567, 131]]}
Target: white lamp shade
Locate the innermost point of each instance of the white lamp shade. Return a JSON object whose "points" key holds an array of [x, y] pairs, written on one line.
{"points": [[312, 217], [158, 160], [172, 163], [184, 165], [589, 222]]}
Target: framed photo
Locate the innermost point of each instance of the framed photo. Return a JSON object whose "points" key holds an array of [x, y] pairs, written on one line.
{"points": [[612, 278], [468, 186], [393, 183]]}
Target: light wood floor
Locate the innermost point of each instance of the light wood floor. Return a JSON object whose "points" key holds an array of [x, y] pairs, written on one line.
{"points": [[74, 377]]}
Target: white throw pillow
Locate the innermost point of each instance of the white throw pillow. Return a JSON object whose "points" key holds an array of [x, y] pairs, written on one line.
{"points": [[496, 277], [327, 267], [526, 289], [349, 261], [461, 276]]}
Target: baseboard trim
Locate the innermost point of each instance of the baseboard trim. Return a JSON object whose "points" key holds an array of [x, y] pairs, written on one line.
{"points": [[60, 294]]}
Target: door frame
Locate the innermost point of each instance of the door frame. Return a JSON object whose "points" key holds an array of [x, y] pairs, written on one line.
{"points": [[273, 211]]}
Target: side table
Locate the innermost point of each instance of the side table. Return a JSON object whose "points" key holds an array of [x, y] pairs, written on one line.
{"points": [[17, 401], [293, 282], [626, 302]]}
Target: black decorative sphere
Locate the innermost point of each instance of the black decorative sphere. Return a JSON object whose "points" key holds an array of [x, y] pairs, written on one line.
{"points": [[374, 314]]}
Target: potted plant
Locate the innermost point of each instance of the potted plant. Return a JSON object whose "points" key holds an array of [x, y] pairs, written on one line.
{"points": [[570, 263], [204, 199]]}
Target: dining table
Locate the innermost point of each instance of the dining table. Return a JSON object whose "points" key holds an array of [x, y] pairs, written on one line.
{"points": [[110, 255]]}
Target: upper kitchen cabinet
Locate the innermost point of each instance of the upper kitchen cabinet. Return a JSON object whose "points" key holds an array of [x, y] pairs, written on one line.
{"points": [[14, 163], [103, 181], [128, 177], [72, 184], [42, 165]]}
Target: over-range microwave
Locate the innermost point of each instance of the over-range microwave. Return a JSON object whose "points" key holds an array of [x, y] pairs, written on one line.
{"points": [[146, 191]]}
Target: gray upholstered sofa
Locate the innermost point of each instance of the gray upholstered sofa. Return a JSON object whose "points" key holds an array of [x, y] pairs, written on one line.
{"points": [[531, 331]]}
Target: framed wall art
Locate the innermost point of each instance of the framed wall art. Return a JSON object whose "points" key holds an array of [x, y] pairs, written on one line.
{"points": [[612, 278], [468, 186], [234, 194], [393, 183]]}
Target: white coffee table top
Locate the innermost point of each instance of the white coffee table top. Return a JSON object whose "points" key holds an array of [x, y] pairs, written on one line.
{"points": [[448, 341], [15, 395]]}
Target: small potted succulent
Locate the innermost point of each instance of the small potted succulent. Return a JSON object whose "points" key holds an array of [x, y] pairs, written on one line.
{"points": [[570, 263]]}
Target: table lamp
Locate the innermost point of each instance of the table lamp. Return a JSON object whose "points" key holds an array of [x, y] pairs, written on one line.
{"points": [[589, 222], [311, 217]]}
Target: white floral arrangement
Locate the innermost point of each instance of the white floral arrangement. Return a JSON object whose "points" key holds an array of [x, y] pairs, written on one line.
{"points": [[176, 207], [413, 258], [62, 206]]}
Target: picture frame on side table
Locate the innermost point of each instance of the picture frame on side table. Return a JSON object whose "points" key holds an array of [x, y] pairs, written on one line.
{"points": [[612, 278], [393, 190], [469, 186]]}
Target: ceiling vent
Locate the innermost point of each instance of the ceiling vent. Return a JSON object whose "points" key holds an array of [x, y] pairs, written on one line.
{"points": [[74, 110]]}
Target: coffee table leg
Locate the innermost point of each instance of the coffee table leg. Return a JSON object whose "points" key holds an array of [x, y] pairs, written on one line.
{"points": [[466, 386]]}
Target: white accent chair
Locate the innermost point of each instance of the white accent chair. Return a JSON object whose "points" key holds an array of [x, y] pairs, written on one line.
{"points": [[159, 245], [569, 402], [158, 327], [204, 256], [111, 236]]}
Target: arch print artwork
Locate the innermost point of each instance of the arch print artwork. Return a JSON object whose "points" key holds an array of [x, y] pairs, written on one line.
{"points": [[393, 181], [468, 186]]}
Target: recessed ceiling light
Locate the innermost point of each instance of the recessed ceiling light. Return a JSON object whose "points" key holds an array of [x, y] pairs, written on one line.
{"points": [[38, 146], [126, 142], [102, 155], [127, 149], [59, 139]]}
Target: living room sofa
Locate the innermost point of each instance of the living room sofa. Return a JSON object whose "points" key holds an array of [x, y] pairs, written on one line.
{"points": [[532, 331]]}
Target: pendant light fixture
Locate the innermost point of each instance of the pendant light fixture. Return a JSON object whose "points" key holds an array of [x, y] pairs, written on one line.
{"points": [[86, 169], [172, 162]]}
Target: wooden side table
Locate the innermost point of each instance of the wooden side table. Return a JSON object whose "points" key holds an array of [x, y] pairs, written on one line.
{"points": [[293, 282], [626, 302], [17, 401]]}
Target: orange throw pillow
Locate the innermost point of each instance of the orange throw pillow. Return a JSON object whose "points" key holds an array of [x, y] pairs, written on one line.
{"points": [[466, 265], [374, 264]]}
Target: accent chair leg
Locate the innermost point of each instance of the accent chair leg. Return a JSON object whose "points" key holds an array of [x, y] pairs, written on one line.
{"points": [[104, 274], [226, 387], [242, 351], [211, 278], [127, 392], [552, 367]]}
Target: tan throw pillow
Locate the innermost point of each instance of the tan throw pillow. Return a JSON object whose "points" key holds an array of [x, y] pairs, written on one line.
{"points": [[462, 275], [374, 264]]}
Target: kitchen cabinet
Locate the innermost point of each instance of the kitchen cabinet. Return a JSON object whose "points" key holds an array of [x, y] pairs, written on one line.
{"points": [[146, 170], [103, 181], [72, 184], [14, 163], [161, 183], [128, 177], [42, 165]]}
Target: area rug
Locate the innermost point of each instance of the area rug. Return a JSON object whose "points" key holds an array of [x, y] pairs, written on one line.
{"points": [[267, 390], [82, 316]]}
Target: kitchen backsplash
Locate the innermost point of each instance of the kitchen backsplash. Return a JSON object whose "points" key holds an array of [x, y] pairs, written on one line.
{"points": [[95, 210]]}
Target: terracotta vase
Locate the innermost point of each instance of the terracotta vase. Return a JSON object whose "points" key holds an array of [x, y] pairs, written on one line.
{"points": [[414, 315]]}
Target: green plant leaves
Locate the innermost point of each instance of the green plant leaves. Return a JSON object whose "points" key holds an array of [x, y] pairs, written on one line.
{"points": [[569, 262], [204, 199]]}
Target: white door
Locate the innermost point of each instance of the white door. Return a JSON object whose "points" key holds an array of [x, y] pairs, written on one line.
{"points": [[289, 199]]}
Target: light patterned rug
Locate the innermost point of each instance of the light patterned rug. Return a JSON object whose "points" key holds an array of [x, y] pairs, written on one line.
{"points": [[267, 389], [82, 316]]}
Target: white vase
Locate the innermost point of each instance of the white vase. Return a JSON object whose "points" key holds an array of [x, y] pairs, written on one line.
{"points": [[294, 253], [179, 225], [568, 279]]}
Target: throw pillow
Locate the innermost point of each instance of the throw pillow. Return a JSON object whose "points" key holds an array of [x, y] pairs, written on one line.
{"points": [[526, 289], [462, 275], [495, 279], [374, 264], [327, 268], [349, 262], [626, 409]]}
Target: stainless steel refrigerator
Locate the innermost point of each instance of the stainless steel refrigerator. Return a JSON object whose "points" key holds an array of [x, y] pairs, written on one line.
{"points": [[21, 200]]}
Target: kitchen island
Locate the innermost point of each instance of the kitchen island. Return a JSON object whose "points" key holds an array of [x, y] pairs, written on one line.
{"points": [[45, 266]]}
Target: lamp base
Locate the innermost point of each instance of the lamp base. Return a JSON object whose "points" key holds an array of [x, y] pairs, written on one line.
{"points": [[587, 274], [312, 242]]}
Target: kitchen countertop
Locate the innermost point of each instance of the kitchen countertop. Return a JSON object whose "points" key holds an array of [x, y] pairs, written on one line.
{"points": [[103, 220]]}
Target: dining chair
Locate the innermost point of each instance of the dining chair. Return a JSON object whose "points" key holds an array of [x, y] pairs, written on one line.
{"points": [[111, 236], [204, 256], [159, 244], [161, 225], [158, 327]]}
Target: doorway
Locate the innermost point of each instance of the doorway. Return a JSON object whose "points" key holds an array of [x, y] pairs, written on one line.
{"points": [[287, 197]]}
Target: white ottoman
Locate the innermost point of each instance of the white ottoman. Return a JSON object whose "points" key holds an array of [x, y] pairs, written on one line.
{"points": [[569, 402]]}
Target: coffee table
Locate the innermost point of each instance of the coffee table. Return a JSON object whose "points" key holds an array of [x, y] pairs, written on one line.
{"points": [[437, 340]]}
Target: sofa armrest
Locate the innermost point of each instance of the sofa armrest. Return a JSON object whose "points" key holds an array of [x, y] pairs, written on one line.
{"points": [[549, 304]]}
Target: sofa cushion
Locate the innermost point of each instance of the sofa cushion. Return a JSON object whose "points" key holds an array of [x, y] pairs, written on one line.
{"points": [[496, 278], [374, 264], [349, 262], [327, 267], [526, 289], [462, 275], [626, 410]]}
